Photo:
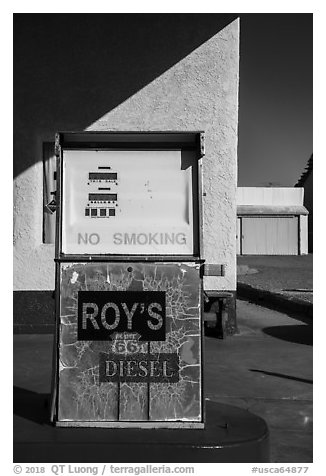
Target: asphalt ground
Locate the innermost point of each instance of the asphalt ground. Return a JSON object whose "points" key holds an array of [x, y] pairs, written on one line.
{"points": [[287, 275], [284, 283], [266, 368]]}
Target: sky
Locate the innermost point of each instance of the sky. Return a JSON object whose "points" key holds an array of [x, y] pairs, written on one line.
{"points": [[275, 114]]}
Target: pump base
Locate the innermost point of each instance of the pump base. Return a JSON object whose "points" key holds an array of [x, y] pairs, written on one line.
{"points": [[231, 435]]}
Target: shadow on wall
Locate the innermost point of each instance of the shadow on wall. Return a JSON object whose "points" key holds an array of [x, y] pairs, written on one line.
{"points": [[71, 69]]}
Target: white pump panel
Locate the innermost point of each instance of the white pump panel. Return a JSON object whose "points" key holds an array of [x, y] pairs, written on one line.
{"points": [[130, 202]]}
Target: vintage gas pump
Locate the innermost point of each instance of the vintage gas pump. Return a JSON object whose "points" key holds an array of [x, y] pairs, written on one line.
{"points": [[128, 347]]}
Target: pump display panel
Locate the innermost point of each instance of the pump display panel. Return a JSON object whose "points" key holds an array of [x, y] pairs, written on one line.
{"points": [[131, 202]]}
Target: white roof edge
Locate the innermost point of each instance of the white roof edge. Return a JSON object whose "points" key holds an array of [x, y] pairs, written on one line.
{"points": [[271, 210]]}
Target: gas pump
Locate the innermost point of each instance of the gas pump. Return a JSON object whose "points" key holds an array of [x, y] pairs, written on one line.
{"points": [[128, 349]]}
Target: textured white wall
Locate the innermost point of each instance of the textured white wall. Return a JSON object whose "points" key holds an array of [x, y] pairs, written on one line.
{"points": [[287, 196], [198, 93], [33, 260]]}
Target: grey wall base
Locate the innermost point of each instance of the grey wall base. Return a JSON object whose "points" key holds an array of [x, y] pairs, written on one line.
{"points": [[33, 312], [231, 435]]}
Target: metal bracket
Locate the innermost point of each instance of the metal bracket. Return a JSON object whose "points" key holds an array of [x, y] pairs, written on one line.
{"points": [[202, 144], [214, 269], [57, 146]]}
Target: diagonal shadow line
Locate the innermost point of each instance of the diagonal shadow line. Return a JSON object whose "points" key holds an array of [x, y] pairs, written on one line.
{"points": [[72, 69], [288, 377]]}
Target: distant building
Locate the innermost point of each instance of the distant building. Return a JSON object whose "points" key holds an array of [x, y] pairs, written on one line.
{"points": [[306, 181], [271, 221]]}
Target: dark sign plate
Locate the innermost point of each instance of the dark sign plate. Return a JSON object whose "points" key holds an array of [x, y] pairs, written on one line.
{"points": [[103, 313], [154, 368]]}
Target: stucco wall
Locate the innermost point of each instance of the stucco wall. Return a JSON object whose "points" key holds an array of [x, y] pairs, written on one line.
{"points": [[270, 196], [199, 91]]}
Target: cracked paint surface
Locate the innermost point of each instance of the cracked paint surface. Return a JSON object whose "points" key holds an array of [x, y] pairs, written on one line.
{"points": [[82, 394]]}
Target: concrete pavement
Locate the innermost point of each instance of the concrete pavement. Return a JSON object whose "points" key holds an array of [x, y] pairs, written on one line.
{"points": [[266, 368]]}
